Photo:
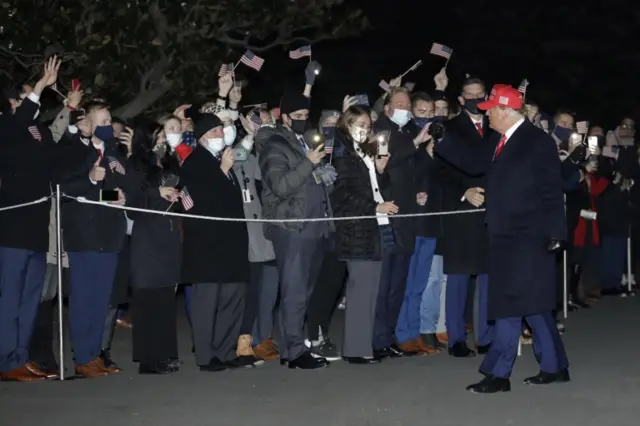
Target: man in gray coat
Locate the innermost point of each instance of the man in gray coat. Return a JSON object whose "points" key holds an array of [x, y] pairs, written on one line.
{"points": [[293, 189]]}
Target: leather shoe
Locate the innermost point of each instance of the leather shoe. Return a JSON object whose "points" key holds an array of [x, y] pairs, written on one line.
{"points": [[431, 340], [543, 378], [460, 350], [108, 362], [358, 360], [39, 370], [490, 384], [92, 369], [162, 367], [214, 366], [306, 361], [246, 362], [483, 349], [20, 374]]}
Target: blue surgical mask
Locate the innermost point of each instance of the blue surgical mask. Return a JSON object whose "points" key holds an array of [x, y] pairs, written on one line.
{"points": [[422, 121], [563, 133], [440, 118], [104, 133], [329, 132]]}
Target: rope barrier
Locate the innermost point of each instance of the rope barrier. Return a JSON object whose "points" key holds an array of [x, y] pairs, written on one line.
{"points": [[233, 219], [30, 203]]}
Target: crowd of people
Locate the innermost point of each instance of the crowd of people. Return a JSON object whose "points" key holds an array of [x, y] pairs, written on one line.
{"points": [[259, 292]]}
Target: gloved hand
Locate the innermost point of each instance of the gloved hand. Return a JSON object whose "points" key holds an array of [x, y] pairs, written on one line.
{"points": [[554, 246], [311, 72], [327, 173]]}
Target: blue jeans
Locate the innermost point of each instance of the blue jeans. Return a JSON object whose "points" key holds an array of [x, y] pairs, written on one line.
{"points": [[430, 306], [408, 325]]}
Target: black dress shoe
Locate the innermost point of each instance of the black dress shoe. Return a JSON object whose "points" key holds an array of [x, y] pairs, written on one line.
{"points": [[460, 350], [284, 362], [361, 360], [483, 349], [490, 384], [162, 367], [382, 353], [245, 362], [543, 378], [399, 353], [175, 362], [214, 366], [306, 361]]}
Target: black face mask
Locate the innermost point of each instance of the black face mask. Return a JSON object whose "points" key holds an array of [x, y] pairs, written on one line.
{"points": [[298, 126], [471, 105]]}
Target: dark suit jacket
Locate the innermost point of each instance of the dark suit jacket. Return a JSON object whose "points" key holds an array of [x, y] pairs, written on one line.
{"points": [[525, 209]]}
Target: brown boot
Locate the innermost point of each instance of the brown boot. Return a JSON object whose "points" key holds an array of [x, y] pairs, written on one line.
{"points": [[266, 350], [244, 346], [92, 369]]}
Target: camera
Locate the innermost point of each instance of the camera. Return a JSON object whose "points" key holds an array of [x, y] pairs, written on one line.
{"points": [[436, 130]]}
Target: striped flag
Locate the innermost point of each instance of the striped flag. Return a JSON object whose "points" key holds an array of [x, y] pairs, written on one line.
{"points": [[187, 201], [300, 52], [225, 69], [582, 127], [384, 86], [441, 50], [115, 165], [328, 146], [252, 60], [523, 86], [35, 133]]}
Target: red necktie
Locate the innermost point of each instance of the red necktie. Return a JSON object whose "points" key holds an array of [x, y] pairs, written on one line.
{"points": [[479, 127], [503, 140]]}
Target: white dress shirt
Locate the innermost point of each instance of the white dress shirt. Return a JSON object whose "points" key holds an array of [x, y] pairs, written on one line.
{"points": [[382, 218]]}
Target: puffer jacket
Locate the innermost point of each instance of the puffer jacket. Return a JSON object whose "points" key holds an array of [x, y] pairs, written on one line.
{"points": [[285, 171]]}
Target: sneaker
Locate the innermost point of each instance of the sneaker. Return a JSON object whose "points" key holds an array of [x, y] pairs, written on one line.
{"points": [[324, 349]]}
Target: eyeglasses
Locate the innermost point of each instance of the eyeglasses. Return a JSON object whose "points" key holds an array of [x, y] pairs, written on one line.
{"points": [[627, 126]]}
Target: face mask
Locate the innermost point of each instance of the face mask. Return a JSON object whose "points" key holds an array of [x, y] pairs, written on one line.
{"points": [[160, 151], [422, 121], [298, 126], [401, 117], [563, 133], [440, 118], [104, 133], [471, 105], [358, 134], [247, 144], [229, 135], [215, 145], [329, 132], [173, 139]]}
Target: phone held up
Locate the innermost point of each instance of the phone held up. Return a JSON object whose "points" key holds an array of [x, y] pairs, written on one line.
{"points": [[107, 195], [382, 141]]}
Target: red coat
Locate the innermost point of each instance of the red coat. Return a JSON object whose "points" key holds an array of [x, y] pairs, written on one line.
{"points": [[598, 185]]}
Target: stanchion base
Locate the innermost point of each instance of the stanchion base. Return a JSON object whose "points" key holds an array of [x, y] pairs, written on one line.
{"points": [[66, 379], [631, 293]]}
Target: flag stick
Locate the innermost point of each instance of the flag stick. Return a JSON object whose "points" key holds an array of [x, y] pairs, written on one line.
{"points": [[416, 65], [447, 63], [236, 65]]}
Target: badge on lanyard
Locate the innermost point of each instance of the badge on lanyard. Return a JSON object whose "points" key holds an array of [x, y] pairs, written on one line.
{"points": [[246, 195], [317, 176]]}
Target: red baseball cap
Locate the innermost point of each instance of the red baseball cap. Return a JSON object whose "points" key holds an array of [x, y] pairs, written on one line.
{"points": [[502, 95]]}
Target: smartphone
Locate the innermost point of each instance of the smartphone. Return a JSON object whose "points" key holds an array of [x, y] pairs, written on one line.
{"points": [[254, 117], [382, 140], [75, 84], [74, 116], [171, 181], [575, 139], [592, 143], [241, 154], [108, 195], [361, 100]]}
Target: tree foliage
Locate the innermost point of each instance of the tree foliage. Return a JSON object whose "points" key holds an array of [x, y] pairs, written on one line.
{"points": [[143, 53]]}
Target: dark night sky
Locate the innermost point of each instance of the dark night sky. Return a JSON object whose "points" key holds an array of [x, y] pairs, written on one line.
{"points": [[576, 55]]}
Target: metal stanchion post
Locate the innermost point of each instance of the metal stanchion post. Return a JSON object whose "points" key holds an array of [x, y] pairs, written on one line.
{"points": [[629, 260], [60, 295], [565, 293]]}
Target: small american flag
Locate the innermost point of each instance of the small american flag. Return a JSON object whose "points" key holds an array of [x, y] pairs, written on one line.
{"points": [[115, 165], [523, 86], [300, 52], [35, 133], [328, 147], [252, 60], [225, 69], [187, 201], [582, 127], [384, 85], [441, 50]]}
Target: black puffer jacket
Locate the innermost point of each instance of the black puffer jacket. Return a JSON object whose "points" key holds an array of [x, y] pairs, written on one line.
{"points": [[353, 196]]}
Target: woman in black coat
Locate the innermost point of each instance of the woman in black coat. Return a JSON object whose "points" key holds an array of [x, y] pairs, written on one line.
{"points": [[156, 259], [358, 192]]}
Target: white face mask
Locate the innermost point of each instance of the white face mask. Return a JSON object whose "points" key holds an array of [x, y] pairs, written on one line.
{"points": [[247, 144], [358, 134], [229, 135], [173, 139], [401, 117], [215, 145]]}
